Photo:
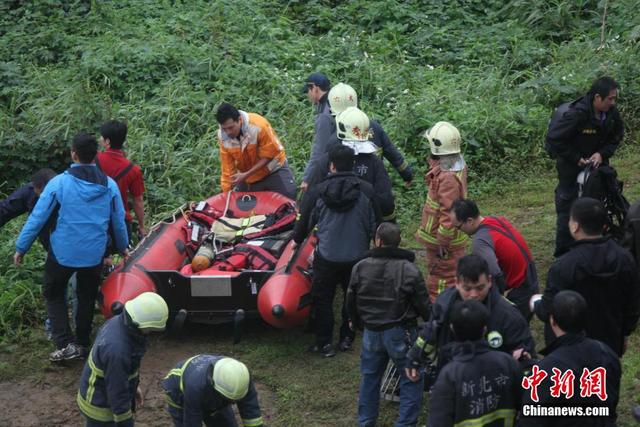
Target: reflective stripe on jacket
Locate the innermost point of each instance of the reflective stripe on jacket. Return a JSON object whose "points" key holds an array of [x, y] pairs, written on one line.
{"points": [[445, 187], [256, 141], [189, 388], [110, 376]]}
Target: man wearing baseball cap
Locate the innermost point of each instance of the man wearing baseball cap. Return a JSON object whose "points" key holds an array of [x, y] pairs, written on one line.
{"points": [[317, 88]]}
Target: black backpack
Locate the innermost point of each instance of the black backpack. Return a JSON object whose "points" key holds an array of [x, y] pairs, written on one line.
{"points": [[602, 183]]}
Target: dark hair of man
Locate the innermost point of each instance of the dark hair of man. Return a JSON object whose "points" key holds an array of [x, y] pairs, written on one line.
{"points": [[342, 157], [569, 310], [227, 111], [603, 86], [590, 214], [389, 234], [115, 132], [469, 318], [40, 178], [465, 209], [471, 267], [85, 146]]}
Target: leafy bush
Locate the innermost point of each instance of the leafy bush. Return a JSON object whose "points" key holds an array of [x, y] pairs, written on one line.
{"points": [[495, 69]]}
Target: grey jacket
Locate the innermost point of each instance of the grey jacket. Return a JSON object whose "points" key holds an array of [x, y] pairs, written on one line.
{"points": [[346, 213], [324, 135]]}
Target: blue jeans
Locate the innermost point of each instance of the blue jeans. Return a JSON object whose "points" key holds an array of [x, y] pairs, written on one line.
{"points": [[377, 349]]}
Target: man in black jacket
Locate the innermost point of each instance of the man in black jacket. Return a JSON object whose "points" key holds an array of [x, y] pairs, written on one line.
{"points": [[387, 294], [507, 329], [585, 131], [345, 211], [576, 373], [602, 272], [480, 386], [24, 199], [353, 130]]}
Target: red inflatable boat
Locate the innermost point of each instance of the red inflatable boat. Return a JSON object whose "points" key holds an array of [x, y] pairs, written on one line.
{"points": [[279, 292]]}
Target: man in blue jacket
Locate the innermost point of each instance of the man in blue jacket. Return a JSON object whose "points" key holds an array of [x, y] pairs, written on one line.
{"points": [[109, 384], [87, 203], [203, 388]]}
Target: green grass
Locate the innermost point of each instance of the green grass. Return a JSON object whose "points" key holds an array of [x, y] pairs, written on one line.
{"points": [[495, 69], [307, 390]]}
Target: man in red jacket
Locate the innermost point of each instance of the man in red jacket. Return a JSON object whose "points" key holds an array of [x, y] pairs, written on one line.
{"points": [[498, 242], [124, 172]]}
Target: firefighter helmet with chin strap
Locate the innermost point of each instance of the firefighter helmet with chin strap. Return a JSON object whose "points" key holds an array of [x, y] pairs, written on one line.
{"points": [[444, 138], [352, 125], [341, 97], [231, 378]]}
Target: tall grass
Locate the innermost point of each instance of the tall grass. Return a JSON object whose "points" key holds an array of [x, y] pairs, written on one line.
{"points": [[494, 69]]}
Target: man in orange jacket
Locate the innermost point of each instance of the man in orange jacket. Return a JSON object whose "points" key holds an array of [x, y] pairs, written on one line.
{"points": [[252, 158], [447, 181]]}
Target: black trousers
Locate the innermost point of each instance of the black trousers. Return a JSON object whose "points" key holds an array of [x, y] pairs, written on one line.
{"points": [[564, 198], [221, 418], [280, 181], [56, 277], [326, 277], [520, 297]]}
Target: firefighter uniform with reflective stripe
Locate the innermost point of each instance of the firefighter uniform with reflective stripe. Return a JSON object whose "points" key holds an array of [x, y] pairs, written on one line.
{"points": [[110, 376], [192, 398], [257, 140], [437, 231], [479, 387]]}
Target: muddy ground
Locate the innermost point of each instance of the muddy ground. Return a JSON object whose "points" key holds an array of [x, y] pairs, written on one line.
{"points": [[47, 398]]}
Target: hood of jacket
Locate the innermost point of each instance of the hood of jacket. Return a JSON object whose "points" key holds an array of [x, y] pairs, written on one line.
{"points": [[600, 258], [90, 181], [340, 191]]}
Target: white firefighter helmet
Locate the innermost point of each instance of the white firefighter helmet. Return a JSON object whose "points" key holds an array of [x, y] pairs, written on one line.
{"points": [[341, 97], [444, 138], [352, 125]]}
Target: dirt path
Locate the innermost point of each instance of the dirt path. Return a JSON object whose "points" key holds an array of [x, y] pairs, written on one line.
{"points": [[48, 398]]}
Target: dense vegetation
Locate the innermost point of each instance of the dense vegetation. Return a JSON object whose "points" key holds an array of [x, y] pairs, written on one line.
{"points": [[494, 68]]}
